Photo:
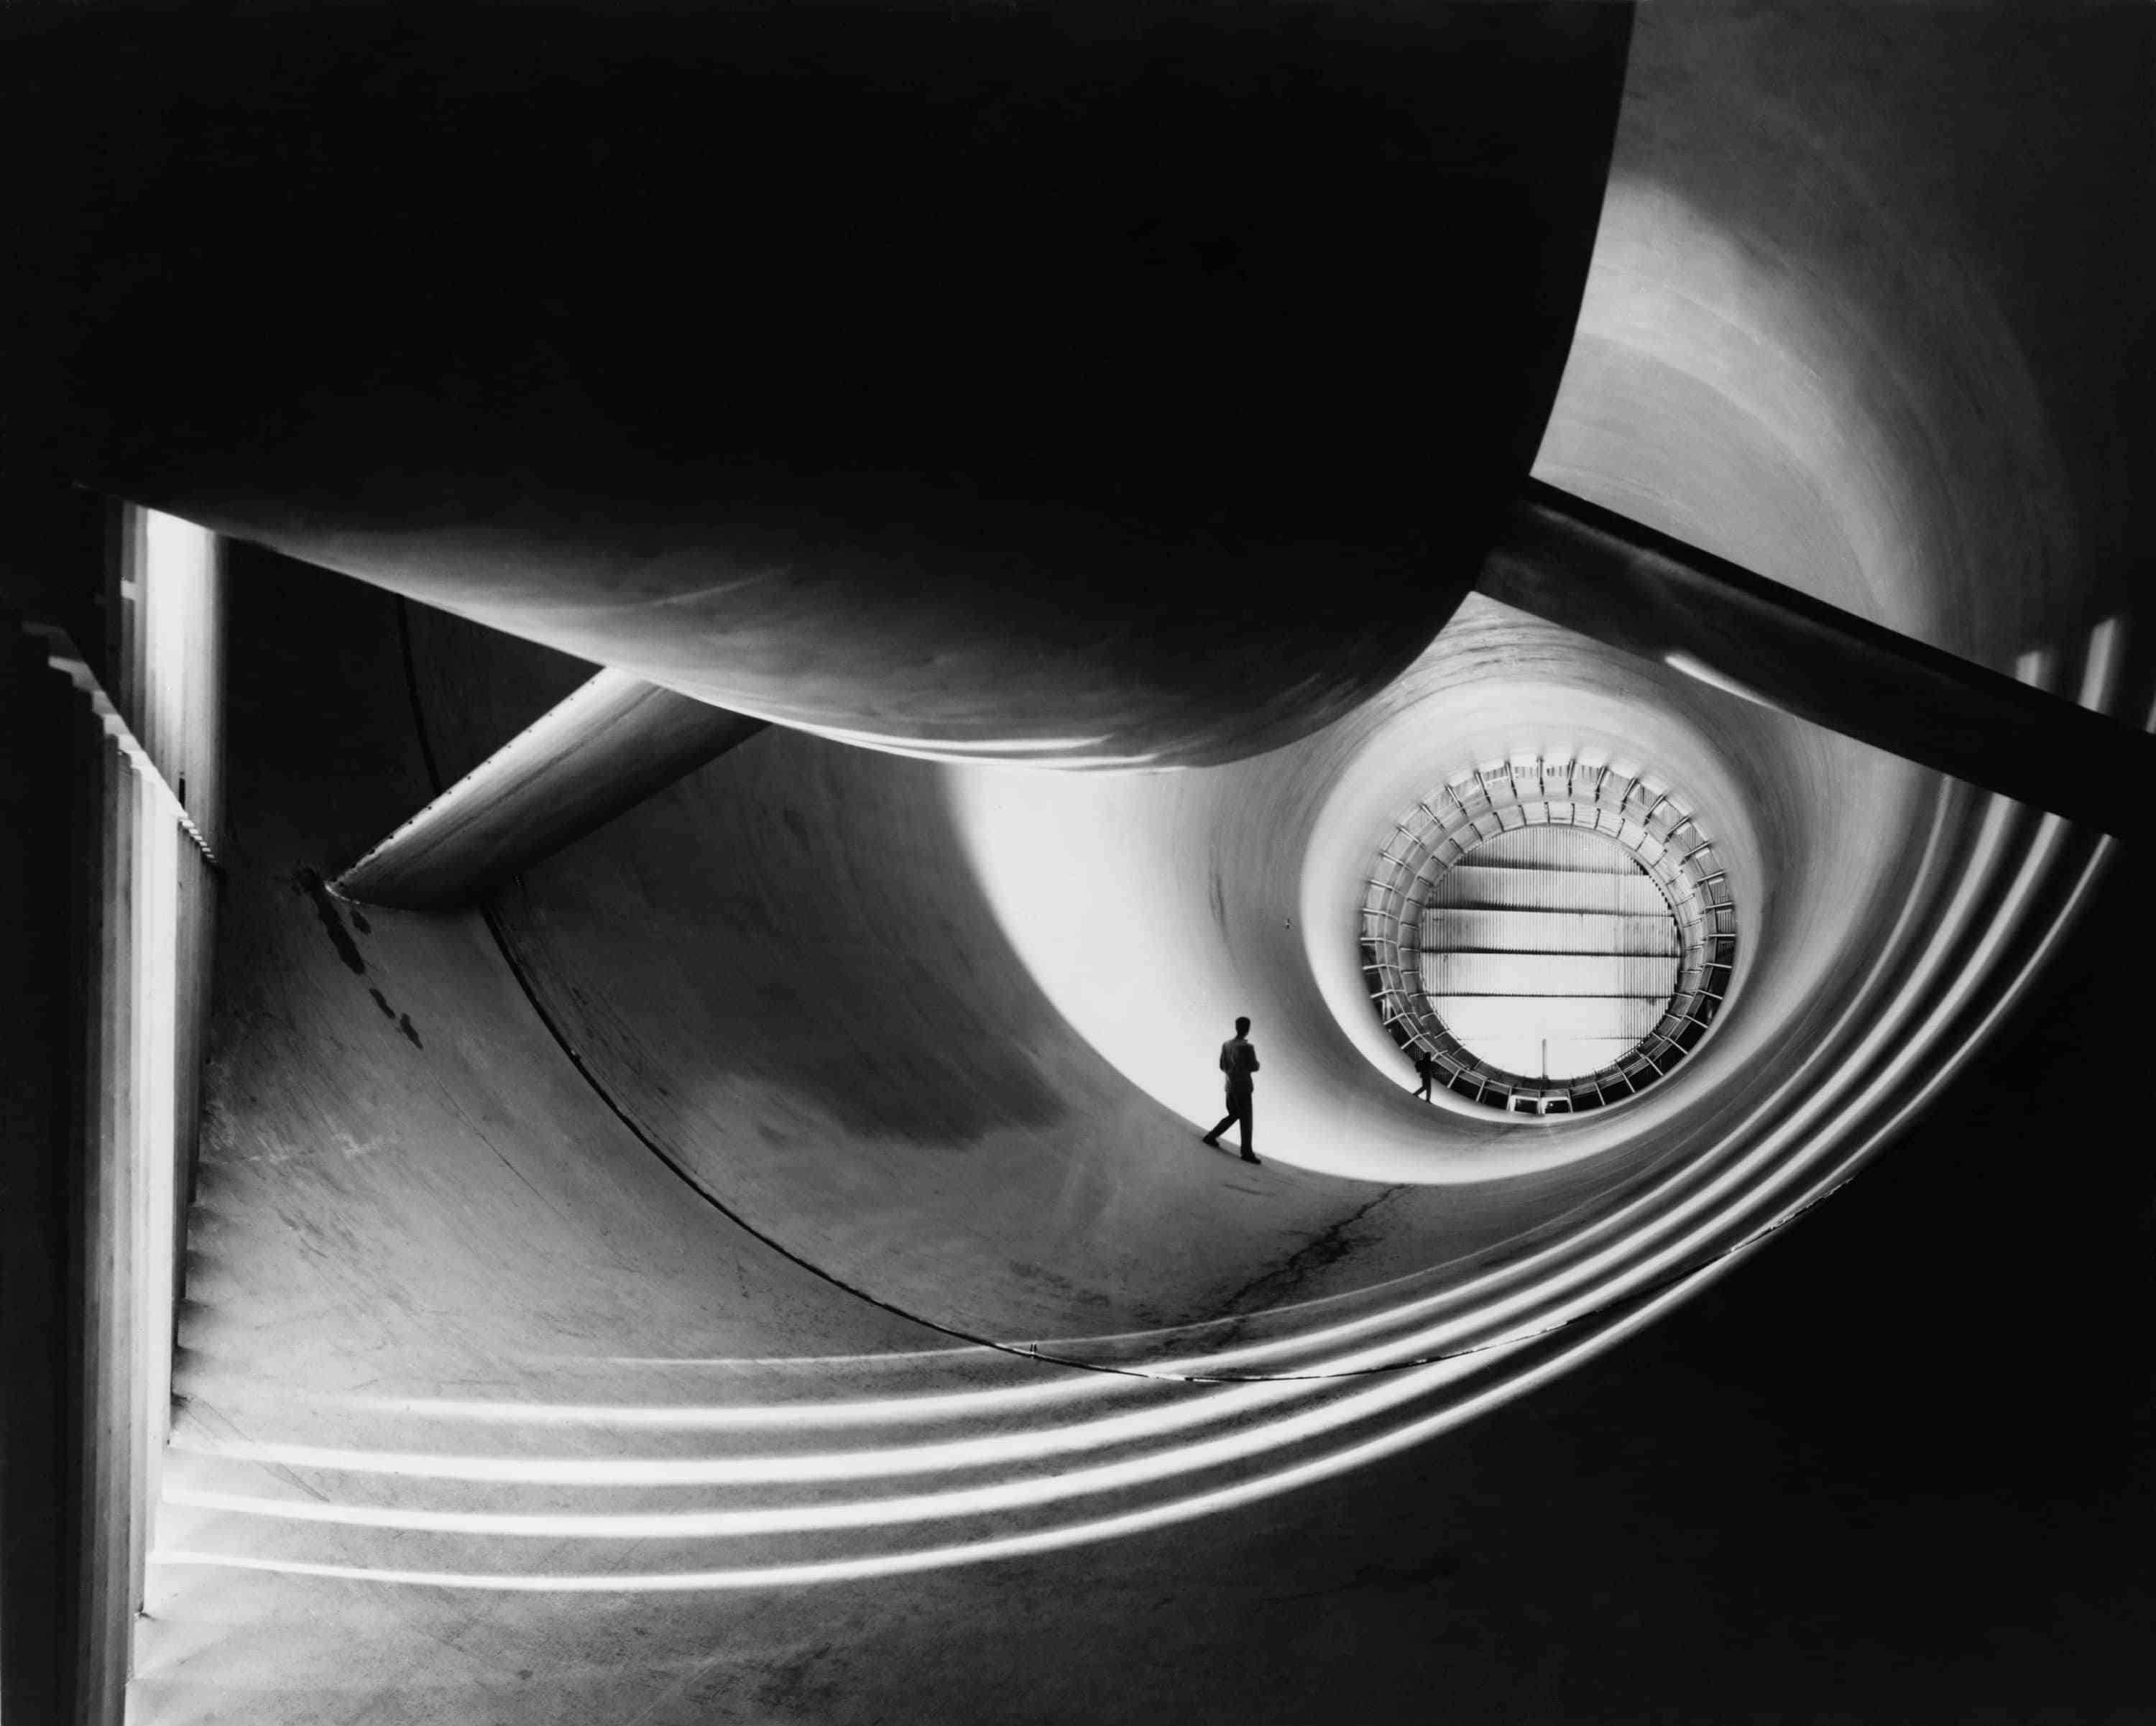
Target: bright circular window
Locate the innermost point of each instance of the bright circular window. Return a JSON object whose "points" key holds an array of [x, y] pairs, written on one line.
{"points": [[1553, 935]]}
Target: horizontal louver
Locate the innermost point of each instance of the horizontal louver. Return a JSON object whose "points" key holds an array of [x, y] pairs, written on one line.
{"points": [[1530, 971], [1510, 1018], [1474, 886], [1549, 953], [1528, 1056], [1447, 930]]}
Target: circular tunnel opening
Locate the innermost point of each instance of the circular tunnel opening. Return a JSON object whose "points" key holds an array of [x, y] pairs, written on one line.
{"points": [[1545, 936]]}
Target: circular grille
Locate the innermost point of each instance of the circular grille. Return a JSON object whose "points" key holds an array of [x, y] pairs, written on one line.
{"points": [[1553, 935]]}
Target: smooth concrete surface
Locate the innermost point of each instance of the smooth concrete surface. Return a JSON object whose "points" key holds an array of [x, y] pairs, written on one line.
{"points": [[1867, 307], [572, 1296]]}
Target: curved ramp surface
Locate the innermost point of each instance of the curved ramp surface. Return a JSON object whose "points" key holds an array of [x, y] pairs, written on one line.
{"points": [[786, 973], [476, 1386]]}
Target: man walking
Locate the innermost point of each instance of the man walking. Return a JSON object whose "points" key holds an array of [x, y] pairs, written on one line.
{"points": [[1239, 1061], [1426, 1070]]}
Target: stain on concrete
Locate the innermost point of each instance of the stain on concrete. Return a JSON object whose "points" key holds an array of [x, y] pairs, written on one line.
{"points": [[1076, 1293], [328, 908], [403, 1022], [1324, 1250], [325, 907], [805, 1685]]}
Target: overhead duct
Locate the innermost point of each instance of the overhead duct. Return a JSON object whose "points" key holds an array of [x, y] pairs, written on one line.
{"points": [[1084, 385]]}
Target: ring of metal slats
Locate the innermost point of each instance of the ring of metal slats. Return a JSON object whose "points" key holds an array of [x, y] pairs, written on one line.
{"points": [[1643, 815]]}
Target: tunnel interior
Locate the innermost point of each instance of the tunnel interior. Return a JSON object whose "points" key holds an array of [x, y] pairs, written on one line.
{"points": [[781, 1213]]}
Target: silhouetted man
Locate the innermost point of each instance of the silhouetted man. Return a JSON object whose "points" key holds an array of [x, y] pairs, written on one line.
{"points": [[1239, 1061], [1427, 1069]]}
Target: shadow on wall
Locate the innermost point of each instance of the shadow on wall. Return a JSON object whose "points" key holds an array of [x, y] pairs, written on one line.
{"points": [[770, 947]]}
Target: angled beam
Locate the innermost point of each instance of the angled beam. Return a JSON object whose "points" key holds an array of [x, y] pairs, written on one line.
{"points": [[604, 750], [1587, 568]]}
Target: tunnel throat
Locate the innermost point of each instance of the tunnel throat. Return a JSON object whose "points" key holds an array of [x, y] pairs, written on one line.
{"points": [[1553, 935]]}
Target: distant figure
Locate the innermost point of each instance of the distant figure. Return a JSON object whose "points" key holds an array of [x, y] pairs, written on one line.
{"points": [[1239, 1061], [1426, 1067]]}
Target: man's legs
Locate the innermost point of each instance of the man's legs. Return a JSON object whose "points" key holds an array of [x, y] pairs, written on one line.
{"points": [[1239, 1109]]}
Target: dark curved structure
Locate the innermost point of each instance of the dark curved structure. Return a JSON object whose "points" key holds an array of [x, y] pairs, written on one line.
{"points": [[847, 364]]}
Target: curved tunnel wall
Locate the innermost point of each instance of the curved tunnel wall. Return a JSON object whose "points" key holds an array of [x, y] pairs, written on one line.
{"points": [[1732, 383], [562, 1369], [1156, 909], [981, 1090], [820, 1000]]}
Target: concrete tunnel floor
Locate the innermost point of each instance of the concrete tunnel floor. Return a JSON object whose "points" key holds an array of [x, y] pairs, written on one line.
{"points": [[1865, 1475]]}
